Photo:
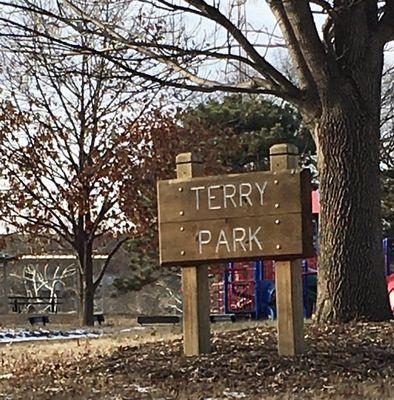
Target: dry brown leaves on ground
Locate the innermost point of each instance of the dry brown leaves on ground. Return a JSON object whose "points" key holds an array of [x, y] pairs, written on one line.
{"points": [[354, 361]]}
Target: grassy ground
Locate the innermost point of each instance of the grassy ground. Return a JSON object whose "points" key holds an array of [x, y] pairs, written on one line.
{"points": [[354, 361], [14, 320]]}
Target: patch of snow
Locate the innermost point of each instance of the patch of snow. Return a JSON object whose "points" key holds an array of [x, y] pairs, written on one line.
{"points": [[23, 335], [134, 328], [141, 389], [234, 395]]}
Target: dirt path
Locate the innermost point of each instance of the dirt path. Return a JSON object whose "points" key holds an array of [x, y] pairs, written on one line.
{"points": [[354, 361]]}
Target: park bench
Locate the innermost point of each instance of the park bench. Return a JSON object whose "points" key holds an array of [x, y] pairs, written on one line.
{"points": [[158, 319], [175, 319], [99, 318], [18, 302], [35, 319], [223, 317]]}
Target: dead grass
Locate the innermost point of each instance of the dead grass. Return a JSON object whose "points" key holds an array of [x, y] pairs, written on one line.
{"points": [[102, 345], [113, 337], [354, 361], [58, 321]]}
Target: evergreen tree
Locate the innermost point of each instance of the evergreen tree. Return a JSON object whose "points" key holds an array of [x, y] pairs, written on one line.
{"points": [[257, 123]]}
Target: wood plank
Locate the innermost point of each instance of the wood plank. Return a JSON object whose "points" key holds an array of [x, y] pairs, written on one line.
{"points": [[288, 274], [196, 322], [195, 286], [220, 240], [289, 305], [240, 195]]}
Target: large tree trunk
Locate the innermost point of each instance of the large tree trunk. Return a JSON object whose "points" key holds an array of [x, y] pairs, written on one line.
{"points": [[351, 270]]}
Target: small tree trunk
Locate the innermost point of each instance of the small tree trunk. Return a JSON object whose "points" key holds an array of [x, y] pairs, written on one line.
{"points": [[80, 292], [88, 299], [4, 297], [88, 307], [351, 273]]}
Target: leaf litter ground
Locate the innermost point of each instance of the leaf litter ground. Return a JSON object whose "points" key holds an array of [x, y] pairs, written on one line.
{"points": [[352, 361]]}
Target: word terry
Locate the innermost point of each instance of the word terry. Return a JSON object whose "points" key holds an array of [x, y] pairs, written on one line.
{"points": [[216, 197]]}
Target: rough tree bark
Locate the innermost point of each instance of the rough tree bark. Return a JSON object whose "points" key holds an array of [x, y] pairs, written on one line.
{"points": [[351, 272], [88, 300], [85, 256]]}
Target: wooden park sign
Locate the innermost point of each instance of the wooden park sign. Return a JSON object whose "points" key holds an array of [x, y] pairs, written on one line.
{"points": [[234, 217], [245, 216]]}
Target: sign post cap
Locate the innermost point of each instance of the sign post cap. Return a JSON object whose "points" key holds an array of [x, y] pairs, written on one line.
{"points": [[283, 148], [186, 158]]}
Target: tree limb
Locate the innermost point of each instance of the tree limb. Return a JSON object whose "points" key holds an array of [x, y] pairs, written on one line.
{"points": [[107, 261], [261, 64], [303, 71], [301, 19], [385, 30]]}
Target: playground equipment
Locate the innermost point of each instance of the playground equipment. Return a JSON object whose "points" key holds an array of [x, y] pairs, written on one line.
{"points": [[388, 251], [244, 289], [248, 288]]}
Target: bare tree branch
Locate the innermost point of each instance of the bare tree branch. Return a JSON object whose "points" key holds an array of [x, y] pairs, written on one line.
{"points": [[385, 29], [301, 19], [108, 260], [304, 73]]}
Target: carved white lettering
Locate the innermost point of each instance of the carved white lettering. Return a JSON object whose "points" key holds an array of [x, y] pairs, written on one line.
{"points": [[202, 241], [261, 190], [253, 238], [222, 240], [239, 195], [244, 194], [229, 192], [240, 239], [197, 189], [211, 197]]}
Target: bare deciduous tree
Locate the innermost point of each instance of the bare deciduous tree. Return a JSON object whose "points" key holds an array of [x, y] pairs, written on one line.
{"points": [[69, 150]]}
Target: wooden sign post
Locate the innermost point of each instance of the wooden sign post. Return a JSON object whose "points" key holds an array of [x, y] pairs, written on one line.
{"points": [[195, 285], [288, 274], [248, 216]]}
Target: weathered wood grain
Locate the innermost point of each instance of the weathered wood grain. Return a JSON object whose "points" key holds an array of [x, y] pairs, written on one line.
{"points": [[271, 194], [195, 284], [288, 274], [289, 306], [220, 240], [277, 205]]}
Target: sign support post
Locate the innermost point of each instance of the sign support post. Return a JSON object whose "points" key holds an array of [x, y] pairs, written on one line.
{"points": [[195, 285], [288, 274]]}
